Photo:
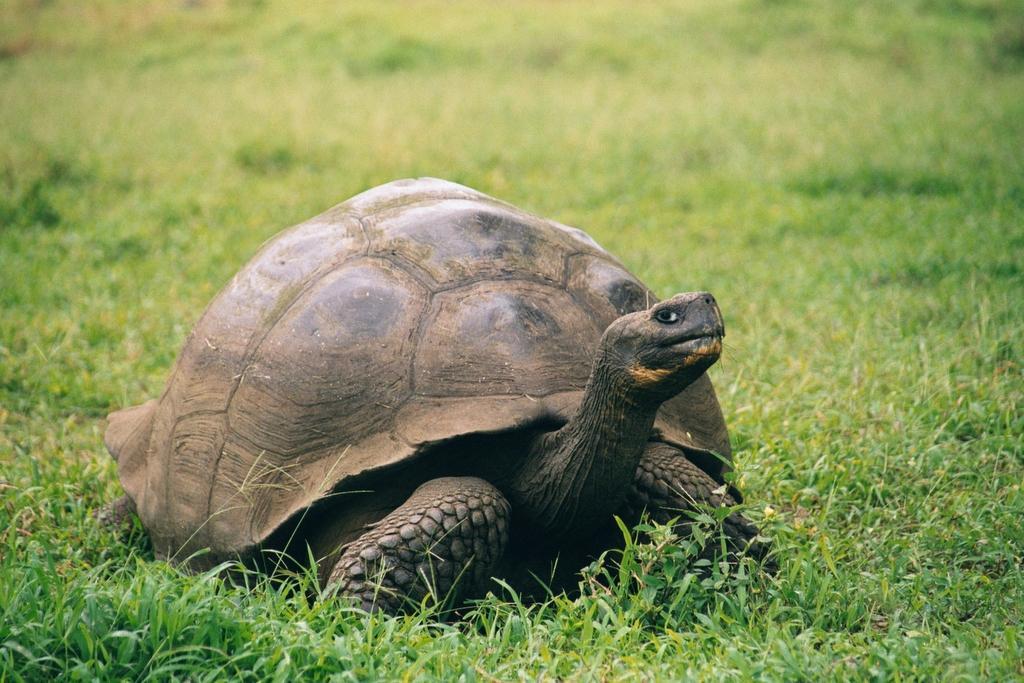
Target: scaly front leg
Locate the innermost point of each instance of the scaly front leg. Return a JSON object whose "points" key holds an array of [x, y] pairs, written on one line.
{"points": [[116, 515], [446, 541], [669, 486]]}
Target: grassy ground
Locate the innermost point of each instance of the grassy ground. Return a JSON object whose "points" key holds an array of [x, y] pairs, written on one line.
{"points": [[847, 177]]}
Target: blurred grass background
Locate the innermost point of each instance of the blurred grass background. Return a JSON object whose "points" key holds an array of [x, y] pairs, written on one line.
{"points": [[847, 177]]}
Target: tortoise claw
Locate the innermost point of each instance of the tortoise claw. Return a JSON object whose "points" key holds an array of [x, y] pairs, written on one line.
{"points": [[117, 515]]}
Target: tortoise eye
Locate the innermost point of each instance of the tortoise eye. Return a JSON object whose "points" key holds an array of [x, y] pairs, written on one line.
{"points": [[666, 316]]}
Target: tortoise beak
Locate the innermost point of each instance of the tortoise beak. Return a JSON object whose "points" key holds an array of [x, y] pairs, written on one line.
{"points": [[699, 318], [699, 349]]}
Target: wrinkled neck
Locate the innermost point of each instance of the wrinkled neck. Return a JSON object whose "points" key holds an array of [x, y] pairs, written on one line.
{"points": [[578, 476]]}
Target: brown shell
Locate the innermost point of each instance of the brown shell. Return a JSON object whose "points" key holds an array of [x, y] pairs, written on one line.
{"points": [[414, 312]]}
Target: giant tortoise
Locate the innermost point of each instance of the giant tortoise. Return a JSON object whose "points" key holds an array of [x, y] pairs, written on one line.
{"points": [[423, 387]]}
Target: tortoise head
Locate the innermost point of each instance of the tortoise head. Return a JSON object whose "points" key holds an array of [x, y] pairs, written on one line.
{"points": [[661, 351]]}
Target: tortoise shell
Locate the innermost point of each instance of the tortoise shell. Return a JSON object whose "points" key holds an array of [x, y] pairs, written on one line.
{"points": [[413, 313]]}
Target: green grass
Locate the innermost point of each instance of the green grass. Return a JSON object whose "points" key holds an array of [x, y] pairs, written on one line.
{"points": [[846, 177]]}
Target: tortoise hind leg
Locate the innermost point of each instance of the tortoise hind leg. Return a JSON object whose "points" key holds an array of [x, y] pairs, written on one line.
{"points": [[444, 541], [668, 486]]}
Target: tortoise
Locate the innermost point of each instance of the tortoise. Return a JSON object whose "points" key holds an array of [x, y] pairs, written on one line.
{"points": [[425, 384]]}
